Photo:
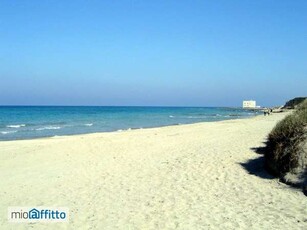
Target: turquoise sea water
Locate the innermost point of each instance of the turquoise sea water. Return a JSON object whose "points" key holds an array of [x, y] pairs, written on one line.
{"points": [[27, 122]]}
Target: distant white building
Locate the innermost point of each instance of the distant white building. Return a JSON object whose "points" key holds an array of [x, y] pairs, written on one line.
{"points": [[249, 104]]}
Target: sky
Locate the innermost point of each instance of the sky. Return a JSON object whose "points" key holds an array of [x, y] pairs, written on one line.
{"points": [[152, 53]]}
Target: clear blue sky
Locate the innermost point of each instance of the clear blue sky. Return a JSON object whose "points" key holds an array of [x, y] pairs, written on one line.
{"points": [[159, 52]]}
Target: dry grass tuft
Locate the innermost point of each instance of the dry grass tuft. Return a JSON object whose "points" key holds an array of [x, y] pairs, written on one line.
{"points": [[286, 151]]}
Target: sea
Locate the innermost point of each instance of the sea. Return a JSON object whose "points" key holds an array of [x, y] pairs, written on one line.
{"points": [[29, 122]]}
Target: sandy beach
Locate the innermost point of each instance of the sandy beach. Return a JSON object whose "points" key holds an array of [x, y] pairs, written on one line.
{"points": [[198, 176]]}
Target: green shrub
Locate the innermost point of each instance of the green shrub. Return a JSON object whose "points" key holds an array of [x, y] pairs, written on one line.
{"points": [[302, 106], [294, 102], [284, 146]]}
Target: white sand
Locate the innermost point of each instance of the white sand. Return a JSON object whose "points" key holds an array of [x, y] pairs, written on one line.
{"points": [[179, 177]]}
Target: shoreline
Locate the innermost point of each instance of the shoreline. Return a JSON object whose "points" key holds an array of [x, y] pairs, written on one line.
{"points": [[195, 176], [133, 129]]}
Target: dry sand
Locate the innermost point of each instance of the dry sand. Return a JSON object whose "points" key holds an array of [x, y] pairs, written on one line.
{"points": [[199, 176]]}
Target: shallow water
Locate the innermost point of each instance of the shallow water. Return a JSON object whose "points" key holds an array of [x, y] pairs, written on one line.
{"points": [[27, 122]]}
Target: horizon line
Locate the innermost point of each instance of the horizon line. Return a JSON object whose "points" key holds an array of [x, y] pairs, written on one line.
{"points": [[195, 106]]}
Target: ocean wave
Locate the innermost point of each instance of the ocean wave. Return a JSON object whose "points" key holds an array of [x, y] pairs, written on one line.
{"points": [[7, 132], [170, 116], [48, 127], [196, 117], [128, 129], [15, 126], [89, 124], [206, 116]]}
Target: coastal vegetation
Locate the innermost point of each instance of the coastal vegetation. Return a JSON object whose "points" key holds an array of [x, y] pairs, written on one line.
{"points": [[286, 149], [293, 103]]}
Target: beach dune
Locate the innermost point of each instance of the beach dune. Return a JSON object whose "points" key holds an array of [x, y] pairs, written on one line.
{"points": [[198, 176]]}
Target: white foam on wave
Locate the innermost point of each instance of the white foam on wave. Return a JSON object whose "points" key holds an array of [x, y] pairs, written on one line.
{"points": [[170, 116], [48, 127], [123, 130], [90, 124], [15, 126], [7, 132], [195, 117]]}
